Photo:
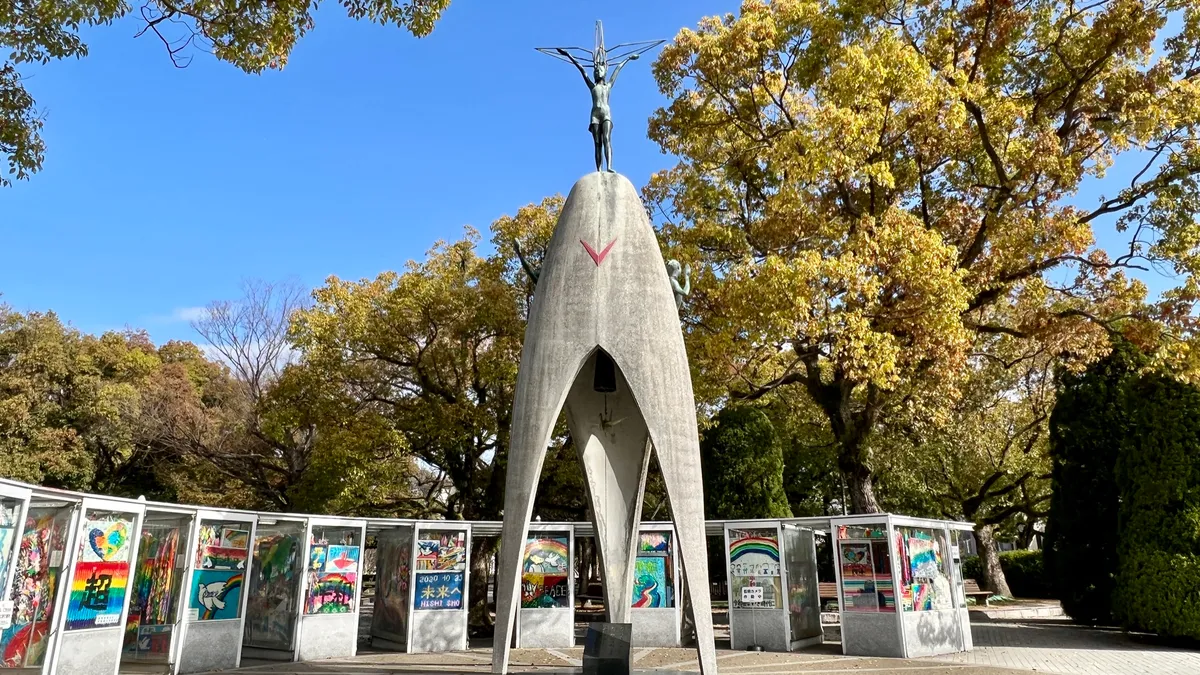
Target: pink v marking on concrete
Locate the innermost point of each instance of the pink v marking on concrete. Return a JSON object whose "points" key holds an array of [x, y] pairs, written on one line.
{"points": [[598, 257]]}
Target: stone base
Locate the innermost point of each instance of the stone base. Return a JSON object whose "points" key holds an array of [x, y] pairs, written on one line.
{"points": [[607, 650]]}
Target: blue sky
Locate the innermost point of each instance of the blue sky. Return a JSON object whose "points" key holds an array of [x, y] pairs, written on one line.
{"points": [[164, 188]]}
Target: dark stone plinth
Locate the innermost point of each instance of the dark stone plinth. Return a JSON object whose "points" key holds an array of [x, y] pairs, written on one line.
{"points": [[607, 650]]}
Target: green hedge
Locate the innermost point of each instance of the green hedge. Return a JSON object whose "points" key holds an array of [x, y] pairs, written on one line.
{"points": [[1086, 431], [1158, 473], [1025, 572]]}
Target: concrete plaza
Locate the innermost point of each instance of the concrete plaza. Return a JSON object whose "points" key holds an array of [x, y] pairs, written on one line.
{"points": [[1002, 647]]}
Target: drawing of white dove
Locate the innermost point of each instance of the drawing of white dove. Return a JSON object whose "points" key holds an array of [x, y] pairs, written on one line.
{"points": [[210, 595]]}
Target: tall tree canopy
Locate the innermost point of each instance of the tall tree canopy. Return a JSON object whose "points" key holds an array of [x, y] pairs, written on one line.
{"points": [[253, 36], [988, 463], [882, 191], [743, 467]]}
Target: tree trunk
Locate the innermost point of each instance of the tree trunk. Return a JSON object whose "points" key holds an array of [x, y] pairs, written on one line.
{"points": [[483, 551], [859, 481], [1026, 534], [989, 562]]}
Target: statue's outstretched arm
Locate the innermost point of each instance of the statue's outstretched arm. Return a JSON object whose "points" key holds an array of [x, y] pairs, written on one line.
{"points": [[578, 67], [687, 279], [621, 66]]}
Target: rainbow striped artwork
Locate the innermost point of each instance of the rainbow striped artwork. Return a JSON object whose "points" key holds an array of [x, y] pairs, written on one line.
{"points": [[547, 554], [97, 594], [223, 558], [754, 553], [217, 594]]}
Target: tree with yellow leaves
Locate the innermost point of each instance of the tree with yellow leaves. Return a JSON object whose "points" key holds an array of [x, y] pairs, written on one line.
{"points": [[879, 190]]}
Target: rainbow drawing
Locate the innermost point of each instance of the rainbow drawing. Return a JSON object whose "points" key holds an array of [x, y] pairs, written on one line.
{"points": [[754, 553], [331, 593], [216, 594], [754, 545], [547, 554], [97, 594]]}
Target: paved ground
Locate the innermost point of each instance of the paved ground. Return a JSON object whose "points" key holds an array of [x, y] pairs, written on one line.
{"points": [[1001, 648], [546, 661], [1056, 646]]}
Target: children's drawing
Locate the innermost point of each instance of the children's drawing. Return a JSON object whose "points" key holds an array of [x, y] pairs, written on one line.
{"points": [[438, 591], [331, 593], [8, 537], [856, 560], [754, 553], [547, 554], [234, 538], [442, 551], [650, 585], [217, 594], [654, 542], [541, 591], [105, 540], [316, 557], [223, 558], [923, 558], [97, 594], [342, 559]]}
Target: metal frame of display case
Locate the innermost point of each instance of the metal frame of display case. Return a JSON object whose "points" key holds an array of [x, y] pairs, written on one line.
{"points": [[191, 628], [417, 616], [186, 535], [21, 494], [338, 633], [50, 498], [658, 627], [268, 653], [89, 655], [772, 623], [856, 626], [384, 639], [553, 630]]}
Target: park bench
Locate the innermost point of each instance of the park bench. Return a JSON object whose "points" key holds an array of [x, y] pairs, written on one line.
{"points": [[826, 591], [972, 590]]}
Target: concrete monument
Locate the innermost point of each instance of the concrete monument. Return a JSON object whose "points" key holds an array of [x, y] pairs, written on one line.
{"points": [[604, 342]]}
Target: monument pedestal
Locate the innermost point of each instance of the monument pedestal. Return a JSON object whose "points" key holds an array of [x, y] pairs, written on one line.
{"points": [[607, 650]]}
